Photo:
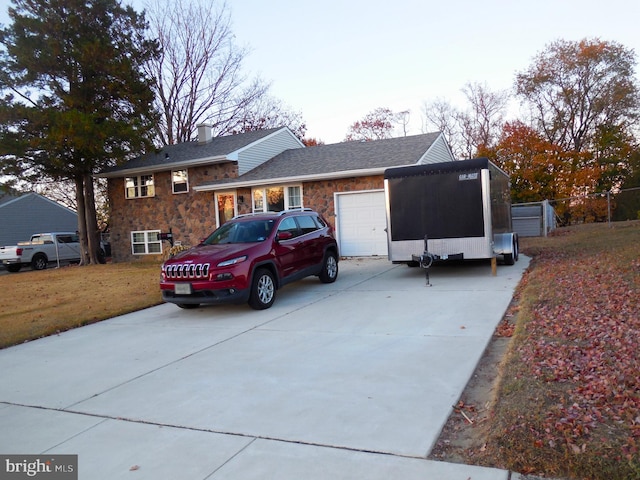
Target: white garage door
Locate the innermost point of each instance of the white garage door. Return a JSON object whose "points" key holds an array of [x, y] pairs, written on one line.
{"points": [[361, 223]]}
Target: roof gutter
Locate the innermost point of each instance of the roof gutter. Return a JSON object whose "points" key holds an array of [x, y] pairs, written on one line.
{"points": [[291, 179]]}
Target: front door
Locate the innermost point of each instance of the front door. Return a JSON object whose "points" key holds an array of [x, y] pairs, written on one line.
{"points": [[227, 208]]}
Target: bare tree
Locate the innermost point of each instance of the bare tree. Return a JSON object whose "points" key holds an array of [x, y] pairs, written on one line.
{"points": [[466, 141], [467, 130], [270, 112], [440, 115], [198, 77], [487, 113], [402, 118]]}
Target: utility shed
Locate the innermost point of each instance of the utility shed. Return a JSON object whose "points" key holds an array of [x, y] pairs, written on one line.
{"points": [[22, 216], [535, 219]]}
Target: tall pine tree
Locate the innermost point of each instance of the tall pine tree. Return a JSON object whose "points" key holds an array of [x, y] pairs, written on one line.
{"points": [[74, 98]]}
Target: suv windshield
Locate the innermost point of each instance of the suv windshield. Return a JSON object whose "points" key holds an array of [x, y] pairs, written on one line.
{"points": [[241, 232]]}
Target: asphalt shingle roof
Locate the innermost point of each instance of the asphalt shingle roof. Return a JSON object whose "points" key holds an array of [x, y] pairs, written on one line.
{"points": [[341, 157], [189, 151]]}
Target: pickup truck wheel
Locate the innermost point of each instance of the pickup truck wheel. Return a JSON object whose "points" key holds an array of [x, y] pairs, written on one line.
{"points": [[329, 271], [263, 290], [39, 262], [14, 267]]}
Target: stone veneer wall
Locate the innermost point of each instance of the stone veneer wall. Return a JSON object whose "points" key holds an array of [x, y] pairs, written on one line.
{"points": [[319, 195], [191, 216]]}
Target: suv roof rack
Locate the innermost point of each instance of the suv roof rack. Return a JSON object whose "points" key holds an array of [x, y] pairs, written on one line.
{"points": [[282, 212]]}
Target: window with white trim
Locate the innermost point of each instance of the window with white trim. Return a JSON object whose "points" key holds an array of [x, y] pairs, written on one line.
{"points": [[140, 186], [146, 242], [276, 199], [180, 181]]}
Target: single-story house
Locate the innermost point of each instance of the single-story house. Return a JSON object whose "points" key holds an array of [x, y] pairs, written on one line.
{"points": [[22, 215], [193, 187]]}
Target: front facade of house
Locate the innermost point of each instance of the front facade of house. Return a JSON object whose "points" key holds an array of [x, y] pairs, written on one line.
{"points": [[193, 188]]}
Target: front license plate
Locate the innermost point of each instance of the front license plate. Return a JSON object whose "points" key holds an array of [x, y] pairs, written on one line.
{"points": [[183, 289]]}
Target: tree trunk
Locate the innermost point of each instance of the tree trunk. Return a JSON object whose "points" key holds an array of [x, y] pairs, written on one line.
{"points": [[82, 224], [91, 220]]}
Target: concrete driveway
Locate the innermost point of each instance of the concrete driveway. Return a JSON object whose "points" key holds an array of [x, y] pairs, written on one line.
{"points": [[349, 380]]}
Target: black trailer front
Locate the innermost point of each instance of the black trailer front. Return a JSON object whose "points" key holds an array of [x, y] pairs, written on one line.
{"points": [[462, 207]]}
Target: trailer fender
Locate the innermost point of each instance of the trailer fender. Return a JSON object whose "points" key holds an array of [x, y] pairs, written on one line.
{"points": [[507, 244]]}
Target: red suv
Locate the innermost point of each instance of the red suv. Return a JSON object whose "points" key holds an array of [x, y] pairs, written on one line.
{"points": [[250, 257]]}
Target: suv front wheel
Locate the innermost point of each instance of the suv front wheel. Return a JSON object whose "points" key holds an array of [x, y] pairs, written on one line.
{"points": [[263, 290]]}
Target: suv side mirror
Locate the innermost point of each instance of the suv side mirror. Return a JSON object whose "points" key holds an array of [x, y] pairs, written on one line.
{"points": [[284, 236]]}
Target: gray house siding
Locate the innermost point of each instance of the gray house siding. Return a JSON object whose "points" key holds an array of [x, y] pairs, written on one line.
{"points": [[32, 213], [438, 152], [254, 155]]}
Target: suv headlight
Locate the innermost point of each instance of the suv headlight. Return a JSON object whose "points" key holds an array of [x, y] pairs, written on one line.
{"points": [[232, 261]]}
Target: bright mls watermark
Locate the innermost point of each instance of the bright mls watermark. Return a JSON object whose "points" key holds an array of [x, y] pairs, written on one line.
{"points": [[50, 467]]}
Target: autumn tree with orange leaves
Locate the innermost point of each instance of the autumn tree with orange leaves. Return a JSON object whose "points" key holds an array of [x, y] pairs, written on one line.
{"points": [[584, 100], [539, 170], [536, 166]]}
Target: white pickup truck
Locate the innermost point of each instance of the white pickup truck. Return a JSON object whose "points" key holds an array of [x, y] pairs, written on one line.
{"points": [[42, 249]]}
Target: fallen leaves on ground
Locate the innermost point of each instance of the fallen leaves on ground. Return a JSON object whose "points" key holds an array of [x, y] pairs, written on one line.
{"points": [[585, 332], [572, 405]]}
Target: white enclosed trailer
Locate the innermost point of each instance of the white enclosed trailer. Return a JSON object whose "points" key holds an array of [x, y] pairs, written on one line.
{"points": [[455, 210]]}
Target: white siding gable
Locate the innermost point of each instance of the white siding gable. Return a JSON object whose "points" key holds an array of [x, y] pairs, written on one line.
{"points": [[264, 149], [438, 152]]}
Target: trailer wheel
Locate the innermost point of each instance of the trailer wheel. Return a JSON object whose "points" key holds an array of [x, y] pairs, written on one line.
{"points": [[508, 259], [512, 258], [39, 261]]}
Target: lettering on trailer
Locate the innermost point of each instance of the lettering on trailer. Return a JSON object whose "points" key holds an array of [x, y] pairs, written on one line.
{"points": [[467, 176]]}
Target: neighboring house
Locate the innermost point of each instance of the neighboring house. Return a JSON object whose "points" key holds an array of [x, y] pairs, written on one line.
{"points": [[22, 215], [194, 187]]}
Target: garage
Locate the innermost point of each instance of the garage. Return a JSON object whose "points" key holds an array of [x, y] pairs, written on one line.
{"points": [[361, 223]]}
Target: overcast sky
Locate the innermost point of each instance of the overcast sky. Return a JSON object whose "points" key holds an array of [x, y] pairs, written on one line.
{"points": [[337, 60]]}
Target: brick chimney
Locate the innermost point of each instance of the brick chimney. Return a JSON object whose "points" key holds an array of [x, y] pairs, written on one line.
{"points": [[204, 133]]}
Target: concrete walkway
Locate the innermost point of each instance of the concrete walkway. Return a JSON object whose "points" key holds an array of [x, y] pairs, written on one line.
{"points": [[351, 380]]}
